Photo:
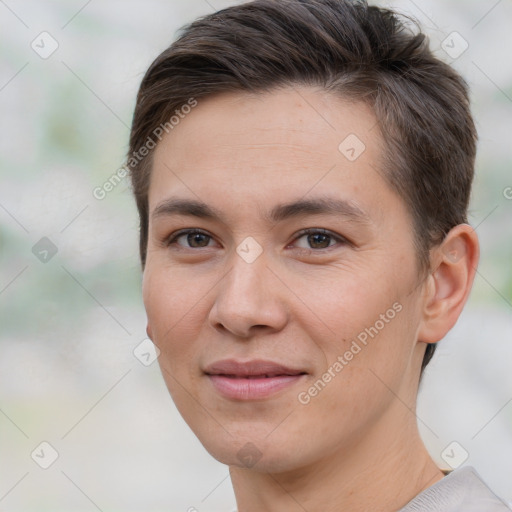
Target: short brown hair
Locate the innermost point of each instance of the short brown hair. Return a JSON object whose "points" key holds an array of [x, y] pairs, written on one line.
{"points": [[346, 47]]}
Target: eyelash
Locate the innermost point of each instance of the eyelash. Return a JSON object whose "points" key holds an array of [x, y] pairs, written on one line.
{"points": [[309, 231]]}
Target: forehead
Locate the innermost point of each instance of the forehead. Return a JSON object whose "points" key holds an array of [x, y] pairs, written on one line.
{"points": [[311, 121], [279, 145]]}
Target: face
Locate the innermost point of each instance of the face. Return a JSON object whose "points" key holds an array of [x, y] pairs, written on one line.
{"points": [[281, 283]]}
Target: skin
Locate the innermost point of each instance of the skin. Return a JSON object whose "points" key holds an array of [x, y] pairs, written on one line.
{"points": [[355, 445]]}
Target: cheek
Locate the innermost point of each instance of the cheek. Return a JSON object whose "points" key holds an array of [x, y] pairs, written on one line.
{"points": [[170, 308], [364, 325], [345, 301], [172, 311], [358, 384]]}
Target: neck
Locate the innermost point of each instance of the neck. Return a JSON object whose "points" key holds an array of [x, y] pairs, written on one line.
{"points": [[381, 471]]}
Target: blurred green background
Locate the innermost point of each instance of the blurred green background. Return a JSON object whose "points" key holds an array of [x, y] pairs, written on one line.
{"points": [[70, 321]]}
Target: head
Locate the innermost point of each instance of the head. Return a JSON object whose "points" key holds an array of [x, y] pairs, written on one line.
{"points": [[270, 117]]}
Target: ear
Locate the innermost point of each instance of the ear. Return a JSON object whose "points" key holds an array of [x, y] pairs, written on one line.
{"points": [[149, 332], [448, 286]]}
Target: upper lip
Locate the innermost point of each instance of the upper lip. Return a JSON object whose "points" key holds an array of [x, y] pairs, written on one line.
{"points": [[255, 367]]}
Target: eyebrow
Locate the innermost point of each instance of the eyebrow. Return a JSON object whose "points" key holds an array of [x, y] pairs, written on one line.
{"points": [[281, 212]]}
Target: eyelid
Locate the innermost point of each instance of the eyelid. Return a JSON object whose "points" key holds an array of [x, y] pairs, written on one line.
{"points": [[339, 238]]}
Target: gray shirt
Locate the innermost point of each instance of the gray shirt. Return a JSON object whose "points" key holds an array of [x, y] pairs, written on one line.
{"points": [[462, 490]]}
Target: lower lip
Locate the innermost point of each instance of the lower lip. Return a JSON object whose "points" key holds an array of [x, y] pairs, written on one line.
{"points": [[251, 389]]}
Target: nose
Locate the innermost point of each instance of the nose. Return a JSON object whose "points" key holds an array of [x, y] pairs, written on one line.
{"points": [[249, 299]]}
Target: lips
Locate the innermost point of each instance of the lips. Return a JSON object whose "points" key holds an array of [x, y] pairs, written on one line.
{"points": [[256, 368], [251, 380]]}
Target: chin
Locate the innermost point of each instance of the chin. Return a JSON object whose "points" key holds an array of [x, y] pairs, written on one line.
{"points": [[253, 452]]}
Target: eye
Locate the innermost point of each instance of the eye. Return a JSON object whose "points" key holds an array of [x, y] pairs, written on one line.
{"points": [[194, 239], [312, 239], [318, 238]]}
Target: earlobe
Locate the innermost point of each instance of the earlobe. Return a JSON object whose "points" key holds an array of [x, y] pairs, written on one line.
{"points": [[149, 332], [450, 283]]}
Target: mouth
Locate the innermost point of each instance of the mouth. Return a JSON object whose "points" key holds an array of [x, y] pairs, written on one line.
{"points": [[251, 380]]}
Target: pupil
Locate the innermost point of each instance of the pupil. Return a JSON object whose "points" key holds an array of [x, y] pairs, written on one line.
{"points": [[319, 238], [194, 238]]}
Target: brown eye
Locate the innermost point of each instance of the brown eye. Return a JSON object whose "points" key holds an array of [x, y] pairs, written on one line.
{"points": [[319, 240], [198, 239], [194, 239]]}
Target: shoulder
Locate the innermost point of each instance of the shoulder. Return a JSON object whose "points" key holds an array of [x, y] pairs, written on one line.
{"points": [[462, 490]]}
